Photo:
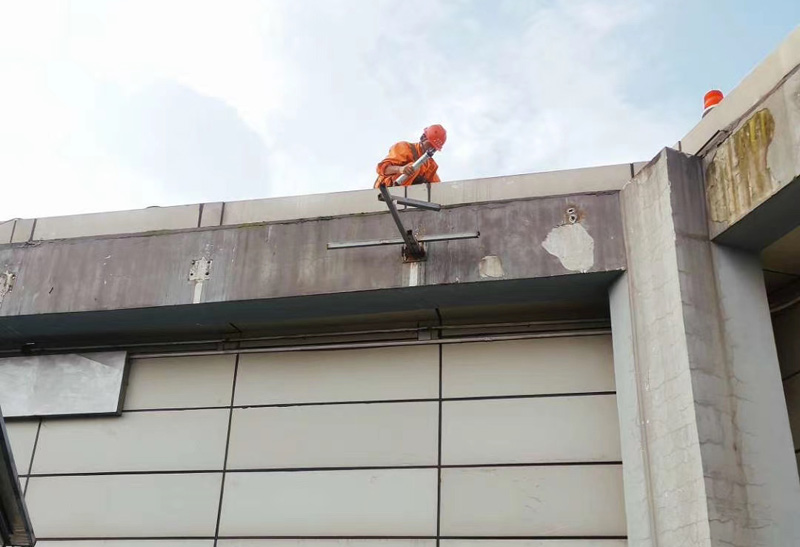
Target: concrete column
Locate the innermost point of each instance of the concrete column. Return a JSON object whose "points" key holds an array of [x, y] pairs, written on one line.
{"points": [[707, 450]]}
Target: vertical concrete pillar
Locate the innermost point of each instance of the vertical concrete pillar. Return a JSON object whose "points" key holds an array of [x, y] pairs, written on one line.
{"points": [[706, 446]]}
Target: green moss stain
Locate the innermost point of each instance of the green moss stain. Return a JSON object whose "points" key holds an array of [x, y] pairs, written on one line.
{"points": [[738, 178]]}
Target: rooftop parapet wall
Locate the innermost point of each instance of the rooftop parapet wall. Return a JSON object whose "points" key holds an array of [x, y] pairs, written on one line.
{"points": [[287, 209]]}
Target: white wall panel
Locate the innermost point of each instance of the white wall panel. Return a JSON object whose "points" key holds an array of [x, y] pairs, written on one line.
{"points": [[538, 430], [180, 382], [129, 543], [22, 436], [330, 503], [108, 506], [329, 543], [385, 434], [343, 375], [136, 441], [533, 501], [534, 543], [528, 367]]}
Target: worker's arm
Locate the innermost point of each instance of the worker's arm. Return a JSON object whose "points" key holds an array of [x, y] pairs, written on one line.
{"points": [[399, 160], [406, 169]]}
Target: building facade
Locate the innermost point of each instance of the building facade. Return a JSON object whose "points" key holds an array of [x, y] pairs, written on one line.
{"points": [[613, 361]]}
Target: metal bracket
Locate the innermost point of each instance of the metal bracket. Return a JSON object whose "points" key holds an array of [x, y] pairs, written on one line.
{"points": [[413, 249], [413, 246]]}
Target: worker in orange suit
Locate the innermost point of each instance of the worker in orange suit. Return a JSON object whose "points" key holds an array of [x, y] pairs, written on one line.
{"points": [[403, 154]]}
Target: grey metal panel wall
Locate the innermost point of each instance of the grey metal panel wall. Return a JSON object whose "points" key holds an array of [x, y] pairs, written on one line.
{"points": [[371, 444]]}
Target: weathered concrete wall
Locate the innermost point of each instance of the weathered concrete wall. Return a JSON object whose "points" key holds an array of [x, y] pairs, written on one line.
{"points": [[712, 463], [750, 145], [519, 240], [758, 159], [152, 219]]}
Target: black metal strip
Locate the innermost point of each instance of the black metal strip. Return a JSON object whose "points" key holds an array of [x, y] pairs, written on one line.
{"points": [[535, 396], [227, 538], [384, 401], [127, 473], [539, 464], [181, 409], [227, 449], [439, 463], [33, 453], [327, 469]]}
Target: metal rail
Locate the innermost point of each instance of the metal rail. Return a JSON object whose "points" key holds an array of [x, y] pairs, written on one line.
{"points": [[421, 239], [382, 344]]}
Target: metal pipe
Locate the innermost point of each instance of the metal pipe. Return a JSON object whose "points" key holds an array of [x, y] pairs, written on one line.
{"points": [[383, 344], [233, 340], [380, 242], [415, 166], [413, 247], [419, 204]]}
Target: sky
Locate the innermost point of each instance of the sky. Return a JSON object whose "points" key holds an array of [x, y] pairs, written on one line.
{"points": [[110, 105]]}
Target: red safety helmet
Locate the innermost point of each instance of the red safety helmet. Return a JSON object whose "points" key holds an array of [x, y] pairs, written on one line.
{"points": [[436, 135]]}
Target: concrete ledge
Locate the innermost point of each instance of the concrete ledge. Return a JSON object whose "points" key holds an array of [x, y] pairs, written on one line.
{"points": [[751, 91], [118, 222], [304, 207], [23, 230], [555, 183], [211, 214], [336, 204], [6, 229]]}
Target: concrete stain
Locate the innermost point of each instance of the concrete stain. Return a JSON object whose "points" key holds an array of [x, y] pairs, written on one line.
{"points": [[739, 178]]}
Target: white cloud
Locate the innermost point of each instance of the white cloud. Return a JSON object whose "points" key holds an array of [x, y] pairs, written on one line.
{"points": [[325, 87]]}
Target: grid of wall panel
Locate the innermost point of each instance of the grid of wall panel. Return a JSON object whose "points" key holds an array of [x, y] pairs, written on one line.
{"points": [[479, 444]]}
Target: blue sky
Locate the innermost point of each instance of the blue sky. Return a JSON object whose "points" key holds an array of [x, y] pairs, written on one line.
{"points": [[119, 105]]}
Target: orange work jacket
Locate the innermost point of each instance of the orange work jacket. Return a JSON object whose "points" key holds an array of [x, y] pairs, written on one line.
{"points": [[403, 153]]}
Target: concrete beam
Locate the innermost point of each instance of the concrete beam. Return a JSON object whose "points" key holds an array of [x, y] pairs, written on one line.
{"points": [[519, 240], [752, 167], [704, 439]]}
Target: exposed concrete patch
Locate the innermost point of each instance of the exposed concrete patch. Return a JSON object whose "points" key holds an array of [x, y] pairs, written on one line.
{"points": [[739, 178], [6, 284], [572, 245], [491, 266], [414, 272], [198, 274]]}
